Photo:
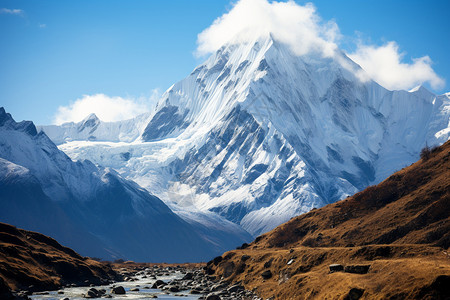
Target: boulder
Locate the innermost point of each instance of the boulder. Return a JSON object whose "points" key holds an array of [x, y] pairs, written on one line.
{"points": [[158, 283], [118, 290], [266, 274], [357, 269], [336, 268], [245, 257], [188, 276], [268, 263], [174, 289], [354, 294]]}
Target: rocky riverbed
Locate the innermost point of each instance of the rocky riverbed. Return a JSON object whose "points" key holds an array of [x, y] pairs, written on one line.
{"points": [[144, 282]]}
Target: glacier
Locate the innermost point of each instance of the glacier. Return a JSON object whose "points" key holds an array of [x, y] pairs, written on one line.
{"points": [[257, 134]]}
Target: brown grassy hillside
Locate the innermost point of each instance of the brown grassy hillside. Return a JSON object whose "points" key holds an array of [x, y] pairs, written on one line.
{"points": [[31, 259], [399, 229]]}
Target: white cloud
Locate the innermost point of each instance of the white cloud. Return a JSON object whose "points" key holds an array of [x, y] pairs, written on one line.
{"points": [[42, 25], [106, 108], [288, 22], [304, 31], [385, 65], [14, 11]]}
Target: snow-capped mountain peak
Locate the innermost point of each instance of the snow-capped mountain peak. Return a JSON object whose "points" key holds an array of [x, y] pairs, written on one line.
{"points": [[258, 134]]}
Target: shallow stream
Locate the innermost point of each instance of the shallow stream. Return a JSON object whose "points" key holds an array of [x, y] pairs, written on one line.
{"points": [[143, 284]]}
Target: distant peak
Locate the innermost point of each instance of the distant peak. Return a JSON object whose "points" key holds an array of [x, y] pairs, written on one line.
{"points": [[415, 89], [420, 88], [4, 116], [91, 122], [424, 92], [91, 116], [7, 121]]}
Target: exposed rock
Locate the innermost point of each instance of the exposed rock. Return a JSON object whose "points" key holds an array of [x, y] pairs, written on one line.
{"points": [[354, 294], [235, 288], [336, 268], [357, 269], [266, 274], [438, 289], [268, 264], [245, 257], [213, 297]]}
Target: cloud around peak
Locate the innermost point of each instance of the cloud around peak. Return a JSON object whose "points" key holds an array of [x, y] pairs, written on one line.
{"points": [[385, 65], [298, 26], [302, 29]]}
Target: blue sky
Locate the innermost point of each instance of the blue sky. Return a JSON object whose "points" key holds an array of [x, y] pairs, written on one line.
{"points": [[54, 52]]}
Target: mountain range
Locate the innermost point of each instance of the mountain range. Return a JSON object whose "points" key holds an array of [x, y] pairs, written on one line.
{"points": [[257, 135], [93, 209]]}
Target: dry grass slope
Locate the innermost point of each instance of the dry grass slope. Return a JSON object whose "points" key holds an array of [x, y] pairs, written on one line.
{"points": [[399, 228], [31, 259]]}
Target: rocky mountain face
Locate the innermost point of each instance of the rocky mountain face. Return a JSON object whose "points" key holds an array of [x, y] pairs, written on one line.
{"points": [[257, 135], [93, 209], [389, 241]]}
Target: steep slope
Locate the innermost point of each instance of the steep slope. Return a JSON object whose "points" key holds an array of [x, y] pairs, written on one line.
{"points": [[31, 259], [90, 208], [258, 135], [391, 241]]}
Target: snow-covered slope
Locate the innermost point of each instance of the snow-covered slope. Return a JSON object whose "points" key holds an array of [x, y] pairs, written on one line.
{"points": [[258, 134], [93, 129], [93, 209]]}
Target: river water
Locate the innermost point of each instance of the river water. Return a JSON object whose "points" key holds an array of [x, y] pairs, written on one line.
{"points": [[143, 284]]}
